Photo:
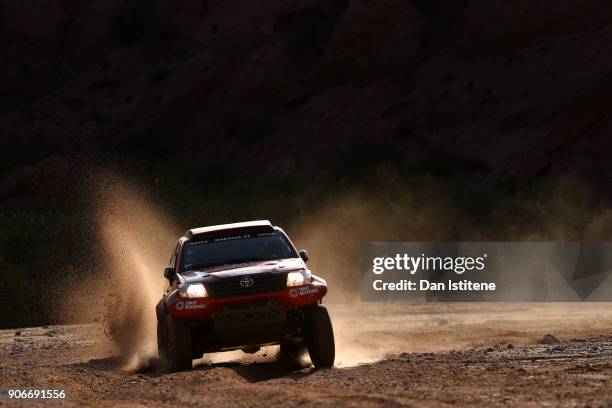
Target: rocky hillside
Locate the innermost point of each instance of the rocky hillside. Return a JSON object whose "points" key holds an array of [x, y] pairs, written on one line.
{"points": [[276, 89]]}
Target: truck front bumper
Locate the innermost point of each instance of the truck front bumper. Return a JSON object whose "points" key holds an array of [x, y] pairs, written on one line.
{"points": [[209, 307]]}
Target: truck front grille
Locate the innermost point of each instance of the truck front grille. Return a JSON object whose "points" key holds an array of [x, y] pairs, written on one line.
{"points": [[250, 315], [232, 287]]}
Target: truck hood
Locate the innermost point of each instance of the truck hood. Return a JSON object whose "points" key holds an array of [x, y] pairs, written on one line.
{"points": [[250, 268]]}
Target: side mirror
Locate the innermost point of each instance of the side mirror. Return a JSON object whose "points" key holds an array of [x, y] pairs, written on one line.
{"points": [[303, 255], [169, 273]]}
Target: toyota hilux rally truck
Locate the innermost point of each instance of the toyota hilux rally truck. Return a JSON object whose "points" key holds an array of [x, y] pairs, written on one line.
{"points": [[241, 286]]}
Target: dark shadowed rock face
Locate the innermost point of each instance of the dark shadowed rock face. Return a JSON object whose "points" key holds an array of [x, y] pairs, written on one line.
{"points": [[508, 90]]}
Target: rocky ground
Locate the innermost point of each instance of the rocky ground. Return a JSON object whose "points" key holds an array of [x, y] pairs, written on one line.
{"points": [[472, 366]]}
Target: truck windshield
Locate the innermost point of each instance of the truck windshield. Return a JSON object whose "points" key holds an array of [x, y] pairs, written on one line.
{"points": [[236, 249]]}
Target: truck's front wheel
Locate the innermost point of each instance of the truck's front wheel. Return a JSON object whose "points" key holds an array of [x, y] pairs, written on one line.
{"points": [[179, 345], [162, 342], [320, 338]]}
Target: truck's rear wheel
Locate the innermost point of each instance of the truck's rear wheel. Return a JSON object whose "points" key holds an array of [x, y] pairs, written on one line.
{"points": [[320, 338], [179, 345]]}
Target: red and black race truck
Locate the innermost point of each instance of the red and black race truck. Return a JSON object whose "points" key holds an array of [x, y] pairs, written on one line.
{"points": [[241, 286]]}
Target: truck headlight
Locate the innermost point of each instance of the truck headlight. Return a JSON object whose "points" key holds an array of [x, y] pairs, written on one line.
{"points": [[298, 278], [193, 290], [295, 279]]}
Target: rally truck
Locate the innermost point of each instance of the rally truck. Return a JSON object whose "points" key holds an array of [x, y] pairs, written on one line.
{"points": [[241, 286]]}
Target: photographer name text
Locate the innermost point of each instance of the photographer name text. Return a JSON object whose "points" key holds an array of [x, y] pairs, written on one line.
{"points": [[413, 264]]}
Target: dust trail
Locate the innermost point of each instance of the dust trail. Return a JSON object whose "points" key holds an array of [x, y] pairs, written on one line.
{"points": [[136, 242], [125, 280], [333, 234], [334, 231]]}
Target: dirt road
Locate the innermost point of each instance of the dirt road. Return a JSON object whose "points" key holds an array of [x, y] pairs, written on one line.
{"points": [[388, 355]]}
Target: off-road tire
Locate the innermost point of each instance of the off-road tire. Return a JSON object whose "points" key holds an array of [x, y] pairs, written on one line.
{"points": [[179, 345], [321, 346], [162, 342]]}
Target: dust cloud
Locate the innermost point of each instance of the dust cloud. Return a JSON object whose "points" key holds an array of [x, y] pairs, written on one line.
{"points": [[137, 239], [334, 232], [133, 245]]}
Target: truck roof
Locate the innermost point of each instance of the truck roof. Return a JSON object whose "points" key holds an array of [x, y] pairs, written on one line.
{"points": [[263, 224]]}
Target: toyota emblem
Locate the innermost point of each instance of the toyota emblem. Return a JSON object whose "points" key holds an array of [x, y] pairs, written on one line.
{"points": [[246, 282]]}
